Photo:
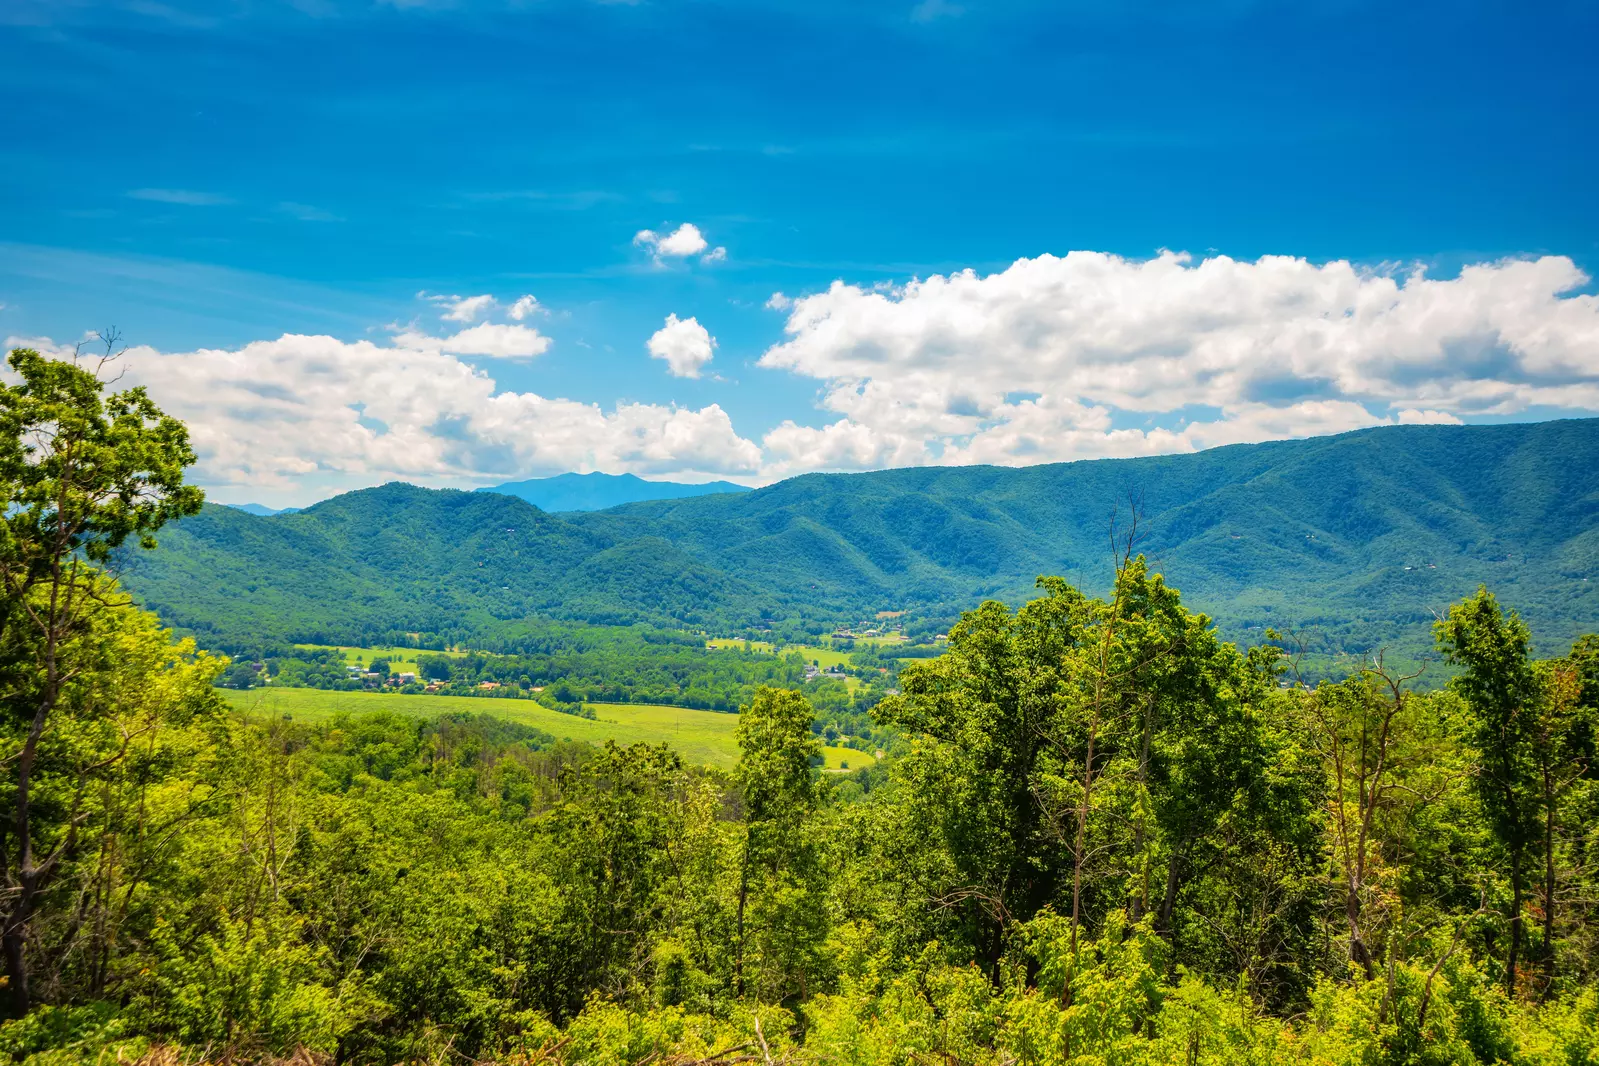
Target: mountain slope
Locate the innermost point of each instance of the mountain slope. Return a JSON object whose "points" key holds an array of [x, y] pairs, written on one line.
{"points": [[1357, 539], [596, 492]]}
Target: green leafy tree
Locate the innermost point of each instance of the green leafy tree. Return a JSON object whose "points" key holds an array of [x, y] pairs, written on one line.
{"points": [[1560, 734], [1501, 691], [977, 719], [81, 472], [240, 675], [779, 921]]}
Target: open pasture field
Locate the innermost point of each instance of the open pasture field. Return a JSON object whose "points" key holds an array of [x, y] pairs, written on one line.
{"points": [[403, 660], [823, 657], [702, 737], [763, 646], [846, 759]]}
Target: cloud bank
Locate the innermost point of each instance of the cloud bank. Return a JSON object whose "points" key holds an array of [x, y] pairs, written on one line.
{"points": [[273, 412], [1092, 354]]}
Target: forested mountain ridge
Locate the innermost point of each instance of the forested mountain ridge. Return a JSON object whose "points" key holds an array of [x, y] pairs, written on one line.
{"points": [[1355, 539]]}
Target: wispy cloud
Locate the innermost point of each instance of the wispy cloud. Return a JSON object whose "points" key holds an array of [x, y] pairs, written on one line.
{"points": [[931, 10], [460, 308], [187, 197], [579, 200], [307, 213]]}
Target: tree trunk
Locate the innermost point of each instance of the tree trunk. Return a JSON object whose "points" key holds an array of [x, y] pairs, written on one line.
{"points": [[1514, 958], [1080, 850], [1168, 903], [1549, 882], [27, 878], [743, 897], [18, 996], [1358, 952], [1141, 846]]}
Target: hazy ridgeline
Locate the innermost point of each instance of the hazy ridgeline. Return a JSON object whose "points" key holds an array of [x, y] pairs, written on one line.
{"points": [[1102, 832]]}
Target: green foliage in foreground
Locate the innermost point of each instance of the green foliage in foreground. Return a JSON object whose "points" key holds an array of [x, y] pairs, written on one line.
{"points": [[1112, 838]]}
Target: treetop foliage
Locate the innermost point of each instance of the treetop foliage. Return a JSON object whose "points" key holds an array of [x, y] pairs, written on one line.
{"points": [[83, 472]]}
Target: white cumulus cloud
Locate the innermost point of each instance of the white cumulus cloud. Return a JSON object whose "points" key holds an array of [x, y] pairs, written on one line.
{"points": [[497, 340], [682, 243], [1094, 354], [523, 307], [685, 345]]}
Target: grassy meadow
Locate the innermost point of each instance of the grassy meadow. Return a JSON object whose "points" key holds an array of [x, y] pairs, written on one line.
{"points": [[403, 660], [701, 737], [765, 647], [826, 658]]}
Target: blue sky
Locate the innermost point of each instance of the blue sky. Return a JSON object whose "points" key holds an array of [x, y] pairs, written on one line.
{"points": [[212, 175]]}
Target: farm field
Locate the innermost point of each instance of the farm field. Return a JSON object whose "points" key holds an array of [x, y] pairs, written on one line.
{"points": [[823, 657], [402, 660], [702, 737], [843, 759], [762, 646]]}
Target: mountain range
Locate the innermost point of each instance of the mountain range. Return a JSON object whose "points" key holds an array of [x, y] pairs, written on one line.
{"points": [[596, 492], [1355, 541]]}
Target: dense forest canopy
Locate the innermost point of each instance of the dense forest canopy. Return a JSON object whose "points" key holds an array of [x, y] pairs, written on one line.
{"points": [[1105, 834]]}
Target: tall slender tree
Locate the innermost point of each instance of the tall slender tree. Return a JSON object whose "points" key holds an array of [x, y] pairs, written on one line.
{"points": [[81, 472], [1501, 690], [779, 917]]}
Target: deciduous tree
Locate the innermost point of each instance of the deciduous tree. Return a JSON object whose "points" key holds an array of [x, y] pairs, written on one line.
{"points": [[81, 472]]}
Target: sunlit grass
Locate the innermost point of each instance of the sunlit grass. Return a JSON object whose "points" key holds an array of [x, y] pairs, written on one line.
{"points": [[826, 658], [843, 760], [762, 646], [701, 737], [401, 660]]}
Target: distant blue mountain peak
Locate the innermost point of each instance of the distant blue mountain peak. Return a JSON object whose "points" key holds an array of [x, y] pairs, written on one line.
{"points": [[261, 510], [596, 492]]}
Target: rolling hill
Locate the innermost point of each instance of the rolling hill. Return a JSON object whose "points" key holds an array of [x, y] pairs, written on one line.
{"points": [[1355, 540]]}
